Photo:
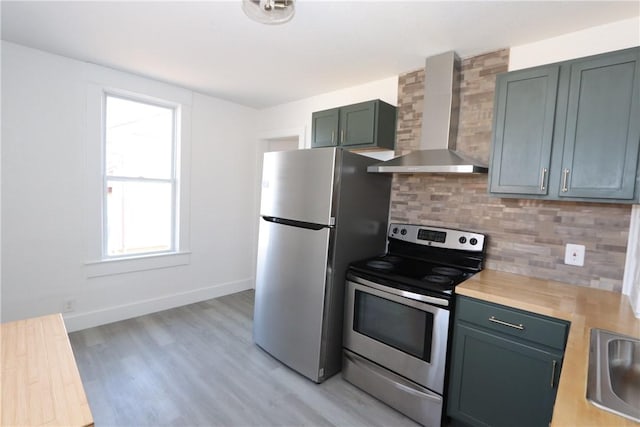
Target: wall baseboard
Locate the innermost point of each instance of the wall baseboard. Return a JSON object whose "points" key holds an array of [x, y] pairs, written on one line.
{"points": [[79, 321]]}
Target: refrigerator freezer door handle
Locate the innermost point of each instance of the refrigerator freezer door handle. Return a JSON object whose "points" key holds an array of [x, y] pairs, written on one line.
{"points": [[294, 223]]}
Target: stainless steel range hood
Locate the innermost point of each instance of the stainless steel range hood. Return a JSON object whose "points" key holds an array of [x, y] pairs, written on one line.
{"points": [[439, 125]]}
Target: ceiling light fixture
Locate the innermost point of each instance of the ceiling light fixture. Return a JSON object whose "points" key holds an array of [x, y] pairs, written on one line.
{"points": [[269, 11]]}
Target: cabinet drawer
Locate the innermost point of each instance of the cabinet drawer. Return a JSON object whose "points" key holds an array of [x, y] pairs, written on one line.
{"points": [[513, 322]]}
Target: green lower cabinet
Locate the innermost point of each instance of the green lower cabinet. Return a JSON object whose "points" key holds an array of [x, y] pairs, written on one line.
{"points": [[497, 379], [501, 382]]}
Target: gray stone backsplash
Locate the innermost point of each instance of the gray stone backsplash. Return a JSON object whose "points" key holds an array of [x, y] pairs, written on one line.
{"points": [[525, 236]]}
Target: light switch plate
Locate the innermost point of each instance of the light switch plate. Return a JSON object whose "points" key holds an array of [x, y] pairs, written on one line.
{"points": [[574, 255]]}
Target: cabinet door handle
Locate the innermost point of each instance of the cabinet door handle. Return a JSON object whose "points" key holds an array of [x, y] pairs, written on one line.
{"points": [[543, 178], [565, 178], [341, 136], [553, 373], [333, 137], [519, 326]]}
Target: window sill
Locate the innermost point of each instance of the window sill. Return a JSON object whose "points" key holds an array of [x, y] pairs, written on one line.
{"points": [[139, 263]]}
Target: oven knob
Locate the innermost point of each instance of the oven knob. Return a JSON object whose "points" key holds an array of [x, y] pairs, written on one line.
{"points": [[404, 231], [395, 230], [462, 240], [473, 241]]}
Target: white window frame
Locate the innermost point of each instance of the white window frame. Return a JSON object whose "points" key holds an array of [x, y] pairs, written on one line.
{"points": [[155, 93], [175, 144]]}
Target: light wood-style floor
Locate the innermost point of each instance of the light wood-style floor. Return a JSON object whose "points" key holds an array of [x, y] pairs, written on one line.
{"points": [[197, 365]]}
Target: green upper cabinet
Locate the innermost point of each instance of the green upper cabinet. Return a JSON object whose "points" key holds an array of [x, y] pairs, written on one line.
{"points": [[368, 124], [523, 130], [602, 131], [358, 124], [569, 131], [325, 128]]}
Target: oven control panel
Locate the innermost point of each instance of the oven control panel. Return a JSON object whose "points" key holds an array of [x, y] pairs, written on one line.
{"points": [[448, 238]]}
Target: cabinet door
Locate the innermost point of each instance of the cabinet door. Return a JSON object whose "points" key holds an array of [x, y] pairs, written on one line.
{"points": [[358, 124], [324, 128], [523, 131], [500, 382], [602, 133]]}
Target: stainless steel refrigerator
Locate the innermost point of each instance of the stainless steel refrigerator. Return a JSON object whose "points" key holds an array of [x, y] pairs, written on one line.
{"points": [[320, 210]]}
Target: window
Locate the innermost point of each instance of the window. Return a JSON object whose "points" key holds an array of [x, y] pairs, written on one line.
{"points": [[139, 182], [138, 151]]}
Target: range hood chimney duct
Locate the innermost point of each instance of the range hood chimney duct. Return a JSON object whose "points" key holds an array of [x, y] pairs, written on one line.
{"points": [[439, 125]]}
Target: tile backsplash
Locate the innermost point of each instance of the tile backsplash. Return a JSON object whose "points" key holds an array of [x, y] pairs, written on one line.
{"points": [[525, 236]]}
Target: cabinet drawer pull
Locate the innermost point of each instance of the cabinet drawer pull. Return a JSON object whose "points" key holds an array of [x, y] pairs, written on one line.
{"points": [[565, 178], [519, 326], [553, 373], [543, 179], [333, 137], [341, 136]]}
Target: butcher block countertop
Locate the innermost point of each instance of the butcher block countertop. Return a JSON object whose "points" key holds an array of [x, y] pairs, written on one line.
{"points": [[40, 382], [585, 308]]}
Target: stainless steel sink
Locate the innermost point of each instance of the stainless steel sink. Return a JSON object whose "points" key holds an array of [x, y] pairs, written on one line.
{"points": [[613, 383]]}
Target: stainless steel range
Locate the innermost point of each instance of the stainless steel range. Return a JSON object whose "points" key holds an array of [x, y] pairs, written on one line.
{"points": [[397, 316]]}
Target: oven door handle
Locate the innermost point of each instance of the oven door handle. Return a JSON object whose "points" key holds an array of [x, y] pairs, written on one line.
{"points": [[399, 292]]}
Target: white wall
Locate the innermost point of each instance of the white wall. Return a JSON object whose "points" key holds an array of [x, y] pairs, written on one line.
{"points": [[592, 41], [44, 232], [631, 280]]}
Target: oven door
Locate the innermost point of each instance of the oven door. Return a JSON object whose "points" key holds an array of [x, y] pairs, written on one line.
{"points": [[406, 336]]}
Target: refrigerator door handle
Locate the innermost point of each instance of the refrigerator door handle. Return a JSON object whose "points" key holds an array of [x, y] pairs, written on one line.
{"points": [[294, 223]]}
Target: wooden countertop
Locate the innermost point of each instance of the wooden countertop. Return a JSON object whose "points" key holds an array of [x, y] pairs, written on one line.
{"points": [[40, 382], [585, 308]]}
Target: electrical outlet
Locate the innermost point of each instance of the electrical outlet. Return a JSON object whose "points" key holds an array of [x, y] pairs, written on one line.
{"points": [[68, 306], [574, 255]]}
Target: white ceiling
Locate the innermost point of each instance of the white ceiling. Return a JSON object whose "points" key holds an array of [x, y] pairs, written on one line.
{"points": [[213, 48]]}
